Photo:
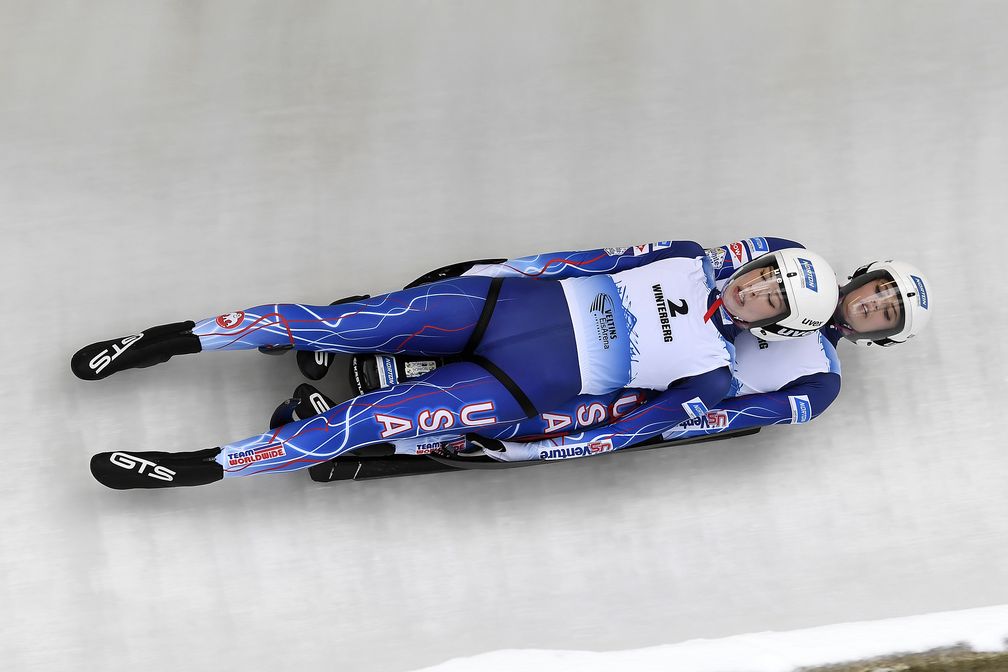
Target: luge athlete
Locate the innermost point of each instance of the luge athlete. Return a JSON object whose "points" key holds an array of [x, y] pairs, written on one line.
{"points": [[655, 321], [773, 382]]}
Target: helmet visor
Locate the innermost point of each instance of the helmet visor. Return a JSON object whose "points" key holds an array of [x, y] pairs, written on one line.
{"points": [[871, 307], [756, 295]]}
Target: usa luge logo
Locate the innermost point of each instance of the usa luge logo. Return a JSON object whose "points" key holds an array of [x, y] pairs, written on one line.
{"points": [[230, 320], [808, 274], [921, 292]]}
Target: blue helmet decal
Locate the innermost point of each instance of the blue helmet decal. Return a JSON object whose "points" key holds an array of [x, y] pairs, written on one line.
{"points": [[808, 274], [921, 291], [759, 246]]}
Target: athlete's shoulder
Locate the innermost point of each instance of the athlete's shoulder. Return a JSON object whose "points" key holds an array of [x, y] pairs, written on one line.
{"points": [[664, 249], [726, 258]]}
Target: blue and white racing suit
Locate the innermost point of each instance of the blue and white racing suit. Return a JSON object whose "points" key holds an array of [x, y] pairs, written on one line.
{"points": [[773, 382], [631, 318]]}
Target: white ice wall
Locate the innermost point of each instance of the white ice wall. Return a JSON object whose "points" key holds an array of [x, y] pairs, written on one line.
{"points": [[980, 630]]}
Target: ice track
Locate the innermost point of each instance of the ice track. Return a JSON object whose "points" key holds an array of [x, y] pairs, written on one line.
{"points": [[165, 161]]}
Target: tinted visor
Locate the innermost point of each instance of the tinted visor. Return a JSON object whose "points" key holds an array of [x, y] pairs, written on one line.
{"points": [[871, 307], [756, 294]]}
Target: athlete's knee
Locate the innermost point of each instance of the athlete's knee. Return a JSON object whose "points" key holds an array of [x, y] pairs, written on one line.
{"points": [[710, 387]]}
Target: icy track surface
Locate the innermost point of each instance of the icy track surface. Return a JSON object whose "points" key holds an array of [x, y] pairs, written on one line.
{"points": [[164, 161]]}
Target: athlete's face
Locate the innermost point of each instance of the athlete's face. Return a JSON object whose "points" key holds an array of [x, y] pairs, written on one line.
{"points": [[755, 295], [874, 306]]}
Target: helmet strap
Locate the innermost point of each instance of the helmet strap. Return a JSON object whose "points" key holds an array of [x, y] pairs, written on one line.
{"points": [[713, 309]]}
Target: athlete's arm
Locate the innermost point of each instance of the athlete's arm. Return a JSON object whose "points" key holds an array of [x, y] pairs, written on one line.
{"points": [[799, 401], [684, 399], [559, 265], [727, 258]]}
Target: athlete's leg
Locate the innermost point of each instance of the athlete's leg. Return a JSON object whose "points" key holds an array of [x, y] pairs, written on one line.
{"points": [[464, 395], [433, 319], [461, 396], [456, 396], [412, 417]]}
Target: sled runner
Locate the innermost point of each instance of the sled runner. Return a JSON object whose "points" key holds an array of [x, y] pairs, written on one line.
{"points": [[371, 463]]}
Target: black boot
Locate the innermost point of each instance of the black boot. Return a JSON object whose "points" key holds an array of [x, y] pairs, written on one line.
{"points": [[150, 469], [149, 347]]}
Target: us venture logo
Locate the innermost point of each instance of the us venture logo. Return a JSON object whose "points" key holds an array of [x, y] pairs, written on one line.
{"points": [[715, 419], [592, 448]]}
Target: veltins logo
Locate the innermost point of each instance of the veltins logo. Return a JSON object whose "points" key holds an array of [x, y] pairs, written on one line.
{"points": [[717, 257], [605, 320], [801, 409], [230, 320], [921, 291], [808, 274]]}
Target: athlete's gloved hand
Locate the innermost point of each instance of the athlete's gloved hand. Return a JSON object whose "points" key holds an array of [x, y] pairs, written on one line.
{"points": [[306, 402], [503, 451]]}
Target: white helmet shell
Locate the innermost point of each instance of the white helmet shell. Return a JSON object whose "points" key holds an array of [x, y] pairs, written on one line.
{"points": [[809, 287], [914, 295]]}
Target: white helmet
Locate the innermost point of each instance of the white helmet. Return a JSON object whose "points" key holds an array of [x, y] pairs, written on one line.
{"points": [[790, 293], [888, 298]]}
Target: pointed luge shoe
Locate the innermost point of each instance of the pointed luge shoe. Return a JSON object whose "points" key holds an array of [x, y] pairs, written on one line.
{"points": [[122, 470], [147, 348]]}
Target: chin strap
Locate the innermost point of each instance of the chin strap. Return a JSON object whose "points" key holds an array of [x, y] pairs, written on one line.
{"points": [[713, 309]]}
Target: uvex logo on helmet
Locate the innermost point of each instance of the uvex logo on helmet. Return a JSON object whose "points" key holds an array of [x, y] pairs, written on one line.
{"points": [[230, 320]]}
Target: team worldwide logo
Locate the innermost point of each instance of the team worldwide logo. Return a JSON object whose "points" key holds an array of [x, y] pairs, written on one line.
{"points": [[251, 456]]}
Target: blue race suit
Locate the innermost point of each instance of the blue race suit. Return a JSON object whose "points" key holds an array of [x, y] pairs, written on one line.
{"points": [[530, 344], [776, 382]]}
